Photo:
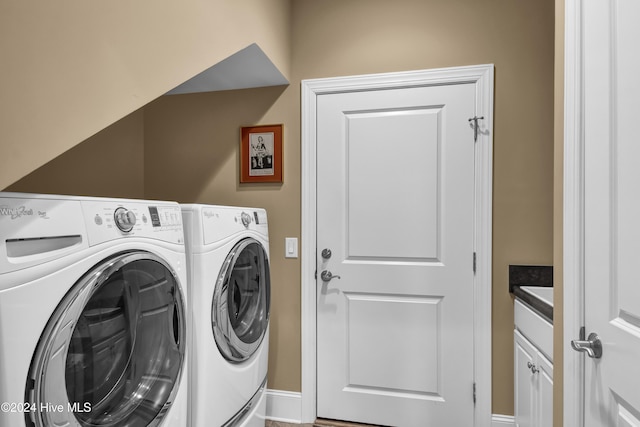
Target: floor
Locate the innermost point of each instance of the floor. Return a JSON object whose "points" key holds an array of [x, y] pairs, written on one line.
{"points": [[281, 424], [318, 423]]}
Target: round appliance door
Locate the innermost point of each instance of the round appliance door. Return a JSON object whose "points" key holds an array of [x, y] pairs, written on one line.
{"points": [[240, 311], [113, 351]]}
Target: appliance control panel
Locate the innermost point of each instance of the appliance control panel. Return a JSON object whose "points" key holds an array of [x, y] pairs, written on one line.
{"points": [[37, 228], [107, 221], [222, 222]]}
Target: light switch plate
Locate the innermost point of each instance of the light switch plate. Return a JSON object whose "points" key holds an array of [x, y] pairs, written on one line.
{"points": [[291, 247]]}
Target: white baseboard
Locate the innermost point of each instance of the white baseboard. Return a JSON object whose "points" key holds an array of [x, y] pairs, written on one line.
{"points": [[286, 406], [503, 421]]}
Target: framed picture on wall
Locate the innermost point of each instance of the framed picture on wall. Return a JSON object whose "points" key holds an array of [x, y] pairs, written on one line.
{"points": [[261, 154]]}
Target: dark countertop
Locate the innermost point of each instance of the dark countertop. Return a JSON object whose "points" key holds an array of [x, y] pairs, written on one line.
{"points": [[532, 275], [538, 305]]}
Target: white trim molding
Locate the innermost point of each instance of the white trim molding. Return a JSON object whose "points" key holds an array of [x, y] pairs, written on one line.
{"points": [[503, 421], [482, 77], [284, 406], [573, 215]]}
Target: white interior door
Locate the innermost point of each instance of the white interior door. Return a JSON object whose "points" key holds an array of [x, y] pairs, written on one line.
{"points": [[612, 209], [395, 206]]}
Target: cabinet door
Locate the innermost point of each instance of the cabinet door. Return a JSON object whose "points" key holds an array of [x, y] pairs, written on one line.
{"points": [[545, 391], [524, 358]]}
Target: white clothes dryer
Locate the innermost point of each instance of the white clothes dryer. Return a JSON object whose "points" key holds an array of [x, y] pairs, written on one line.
{"points": [[229, 286], [93, 314]]}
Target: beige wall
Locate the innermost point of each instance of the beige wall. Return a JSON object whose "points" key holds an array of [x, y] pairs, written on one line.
{"points": [[191, 141], [69, 69], [109, 164]]}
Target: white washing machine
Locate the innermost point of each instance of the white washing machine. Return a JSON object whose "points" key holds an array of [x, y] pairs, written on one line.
{"points": [[228, 257], [93, 314]]}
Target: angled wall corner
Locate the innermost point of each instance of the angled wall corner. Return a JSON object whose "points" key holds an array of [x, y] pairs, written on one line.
{"points": [[61, 84], [247, 68]]}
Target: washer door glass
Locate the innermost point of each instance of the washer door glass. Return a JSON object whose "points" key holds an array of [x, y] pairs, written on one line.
{"points": [[113, 352], [240, 311]]}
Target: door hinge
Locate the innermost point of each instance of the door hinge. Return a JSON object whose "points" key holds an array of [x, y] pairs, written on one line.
{"points": [[474, 394], [474, 262]]}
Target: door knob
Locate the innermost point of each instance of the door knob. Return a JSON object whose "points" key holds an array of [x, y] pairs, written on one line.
{"points": [[326, 253], [327, 276], [592, 346]]}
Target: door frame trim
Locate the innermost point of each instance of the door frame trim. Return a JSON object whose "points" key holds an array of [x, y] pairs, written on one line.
{"points": [[482, 77], [573, 215]]}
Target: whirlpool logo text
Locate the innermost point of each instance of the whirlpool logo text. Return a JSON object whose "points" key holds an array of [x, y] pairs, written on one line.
{"points": [[19, 212]]}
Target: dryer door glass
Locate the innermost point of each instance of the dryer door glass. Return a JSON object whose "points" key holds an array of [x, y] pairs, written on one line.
{"points": [[240, 311], [113, 352]]}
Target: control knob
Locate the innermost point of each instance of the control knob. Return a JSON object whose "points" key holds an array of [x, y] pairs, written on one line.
{"points": [[124, 219], [246, 219]]}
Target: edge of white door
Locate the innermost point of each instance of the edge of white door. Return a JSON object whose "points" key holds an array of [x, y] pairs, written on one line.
{"points": [[573, 217], [482, 77]]}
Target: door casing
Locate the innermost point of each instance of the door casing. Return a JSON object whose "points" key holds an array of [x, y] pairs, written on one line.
{"points": [[482, 77], [573, 218]]}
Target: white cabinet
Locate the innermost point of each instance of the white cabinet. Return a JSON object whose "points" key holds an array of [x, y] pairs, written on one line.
{"points": [[533, 385], [533, 372]]}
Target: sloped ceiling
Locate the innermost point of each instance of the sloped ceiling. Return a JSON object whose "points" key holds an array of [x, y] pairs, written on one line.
{"points": [[248, 68]]}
